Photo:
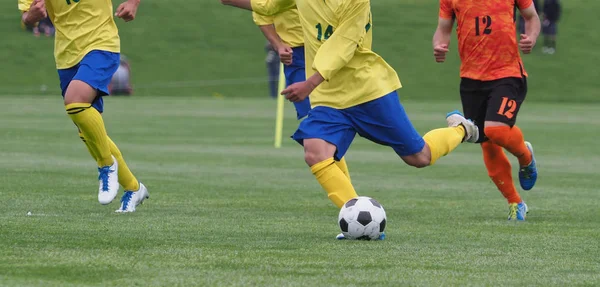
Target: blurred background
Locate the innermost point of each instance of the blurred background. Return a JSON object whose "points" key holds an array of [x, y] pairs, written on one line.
{"points": [[201, 49]]}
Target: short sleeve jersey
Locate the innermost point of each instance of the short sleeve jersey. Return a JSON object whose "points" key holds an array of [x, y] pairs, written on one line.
{"points": [[81, 26], [487, 39], [337, 42]]}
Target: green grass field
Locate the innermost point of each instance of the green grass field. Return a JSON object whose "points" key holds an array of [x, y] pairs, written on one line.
{"points": [[227, 209]]}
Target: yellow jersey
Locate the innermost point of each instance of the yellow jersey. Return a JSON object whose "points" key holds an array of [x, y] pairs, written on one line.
{"points": [[287, 25], [81, 26], [337, 43]]}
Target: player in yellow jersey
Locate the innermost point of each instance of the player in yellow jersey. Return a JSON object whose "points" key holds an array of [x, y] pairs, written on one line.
{"points": [[353, 90], [284, 33], [86, 51]]}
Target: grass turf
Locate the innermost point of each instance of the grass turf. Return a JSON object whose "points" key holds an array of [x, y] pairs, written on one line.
{"points": [[227, 209]]}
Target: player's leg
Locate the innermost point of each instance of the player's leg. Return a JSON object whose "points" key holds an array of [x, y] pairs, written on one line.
{"points": [[474, 98], [84, 107], [385, 122], [295, 73], [326, 136], [552, 37], [135, 191], [499, 170], [504, 103]]}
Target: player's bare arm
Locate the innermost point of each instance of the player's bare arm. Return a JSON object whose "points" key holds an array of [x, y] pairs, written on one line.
{"points": [[441, 39], [263, 7], [127, 10], [532, 29], [285, 52], [244, 4], [299, 91], [36, 12]]}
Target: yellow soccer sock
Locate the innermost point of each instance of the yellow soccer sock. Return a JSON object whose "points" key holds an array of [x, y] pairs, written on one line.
{"points": [[334, 181], [344, 167], [442, 141], [126, 178], [90, 123], [88, 146]]}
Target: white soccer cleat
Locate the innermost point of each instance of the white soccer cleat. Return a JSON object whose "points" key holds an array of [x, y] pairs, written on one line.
{"points": [[109, 182], [456, 118], [131, 199]]}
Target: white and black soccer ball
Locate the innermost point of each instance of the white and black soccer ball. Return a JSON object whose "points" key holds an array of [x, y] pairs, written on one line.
{"points": [[362, 218]]}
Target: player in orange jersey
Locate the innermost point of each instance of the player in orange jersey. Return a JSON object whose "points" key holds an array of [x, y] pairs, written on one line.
{"points": [[493, 83]]}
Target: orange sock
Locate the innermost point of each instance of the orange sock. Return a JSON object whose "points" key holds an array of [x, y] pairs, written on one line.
{"points": [[512, 140], [499, 171]]}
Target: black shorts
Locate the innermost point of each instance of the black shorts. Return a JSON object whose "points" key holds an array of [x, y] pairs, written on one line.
{"points": [[498, 101]]}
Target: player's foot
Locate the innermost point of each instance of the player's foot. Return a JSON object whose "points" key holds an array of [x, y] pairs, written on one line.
{"points": [[131, 199], [342, 237], [109, 182], [517, 211], [456, 118], [528, 174]]}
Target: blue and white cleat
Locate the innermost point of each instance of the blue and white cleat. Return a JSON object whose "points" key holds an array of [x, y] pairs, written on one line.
{"points": [[342, 237], [456, 118], [517, 211], [131, 199], [528, 174], [109, 182]]}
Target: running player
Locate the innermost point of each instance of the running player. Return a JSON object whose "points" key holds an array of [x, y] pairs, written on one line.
{"points": [[493, 83], [353, 90], [86, 51]]}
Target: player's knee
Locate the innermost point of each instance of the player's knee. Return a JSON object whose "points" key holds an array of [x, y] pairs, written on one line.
{"points": [[79, 92], [419, 160], [312, 157]]}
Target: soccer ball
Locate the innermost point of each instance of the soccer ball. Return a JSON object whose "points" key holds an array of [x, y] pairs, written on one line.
{"points": [[362, 218]]}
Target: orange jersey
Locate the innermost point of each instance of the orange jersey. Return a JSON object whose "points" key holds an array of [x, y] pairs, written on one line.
{"points": [[487, 40]]}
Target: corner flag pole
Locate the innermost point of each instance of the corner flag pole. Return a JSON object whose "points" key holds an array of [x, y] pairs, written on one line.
{"points": [[280, 106]]}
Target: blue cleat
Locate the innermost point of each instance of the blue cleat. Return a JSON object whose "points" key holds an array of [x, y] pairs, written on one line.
{"points": [[528, 174], [342, 237], [517, 211]]}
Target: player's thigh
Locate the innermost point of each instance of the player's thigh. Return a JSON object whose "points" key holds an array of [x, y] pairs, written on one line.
{"points": [[505, 100], [384, 121], [474, 101], [95, 70], [329, 125]]}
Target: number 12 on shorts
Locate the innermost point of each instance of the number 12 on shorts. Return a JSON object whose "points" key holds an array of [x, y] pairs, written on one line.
{"points": [[507, 108]]}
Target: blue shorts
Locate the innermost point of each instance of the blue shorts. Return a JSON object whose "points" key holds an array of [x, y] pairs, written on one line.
{"points": [[382, 121], [95, 69], [295, 73]]}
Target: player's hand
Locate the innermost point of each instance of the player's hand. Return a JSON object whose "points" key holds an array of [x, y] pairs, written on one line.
{"points": [[439, 52], [37, 12], [526, 44], [298, 92], [285, 54], [127, 10]]}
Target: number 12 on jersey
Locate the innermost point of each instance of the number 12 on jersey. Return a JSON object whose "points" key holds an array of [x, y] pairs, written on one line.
{"points": [[487, 21]]}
